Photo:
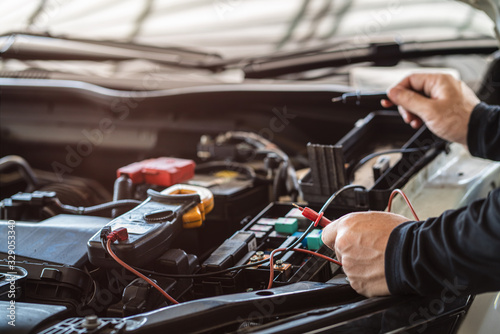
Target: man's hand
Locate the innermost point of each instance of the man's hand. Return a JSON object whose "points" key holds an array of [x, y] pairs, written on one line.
{"points": [[440, 101], [359, 240]]}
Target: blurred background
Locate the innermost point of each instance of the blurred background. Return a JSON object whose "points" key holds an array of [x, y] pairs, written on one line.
{"points": [[235, 28]]}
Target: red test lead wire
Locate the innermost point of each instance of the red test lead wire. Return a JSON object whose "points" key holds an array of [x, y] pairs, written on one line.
{"points": [[323, 222], [312, 215], [271, 261], [399, 191], [129, 268], [318, 218]]}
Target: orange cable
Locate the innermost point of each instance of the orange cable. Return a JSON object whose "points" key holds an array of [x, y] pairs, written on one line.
{"points": [[399, 191], [271, 261], [129, 268]]}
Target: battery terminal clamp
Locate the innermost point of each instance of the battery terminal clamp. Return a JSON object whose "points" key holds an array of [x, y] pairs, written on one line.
{"points": [[195, 216]]}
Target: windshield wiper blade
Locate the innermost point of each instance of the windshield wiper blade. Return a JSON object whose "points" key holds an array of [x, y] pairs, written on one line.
{"points": [[380, 54], [39, 47]]}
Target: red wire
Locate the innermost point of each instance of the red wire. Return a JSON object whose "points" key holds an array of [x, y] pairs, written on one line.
{"points": [[271, 256], [129, 268], [399, 191], [271, 261]]}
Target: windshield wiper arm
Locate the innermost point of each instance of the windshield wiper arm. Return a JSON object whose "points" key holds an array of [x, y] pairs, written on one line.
{"points": [[380, 54], [38, 47]]}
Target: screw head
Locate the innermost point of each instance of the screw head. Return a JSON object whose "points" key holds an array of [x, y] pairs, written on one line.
{"points": [[91, 322], [205, 140]]}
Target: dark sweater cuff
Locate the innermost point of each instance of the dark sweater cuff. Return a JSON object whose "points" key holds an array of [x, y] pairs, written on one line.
{"points": [[396, 255], [475, 131]]}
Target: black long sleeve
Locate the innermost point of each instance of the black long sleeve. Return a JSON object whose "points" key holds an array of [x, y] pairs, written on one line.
{"points": [[483, 137], [459, 251]]}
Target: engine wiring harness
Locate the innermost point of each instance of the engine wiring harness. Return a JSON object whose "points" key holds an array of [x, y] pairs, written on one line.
{"points": [[108, 237]]}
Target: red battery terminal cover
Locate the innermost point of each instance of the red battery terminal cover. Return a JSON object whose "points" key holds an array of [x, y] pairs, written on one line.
{"points": [[159, 171]]}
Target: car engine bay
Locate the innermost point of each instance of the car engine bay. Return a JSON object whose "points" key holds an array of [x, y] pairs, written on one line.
{"points": [[149, 206]]}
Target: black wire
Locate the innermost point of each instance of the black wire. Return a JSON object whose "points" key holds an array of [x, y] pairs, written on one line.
{"points": [[103, 240], [325, 206], [96, 208], [103, 244], [304, 234], [323, 209], [213, 273], [337, 193], [376, 154]]}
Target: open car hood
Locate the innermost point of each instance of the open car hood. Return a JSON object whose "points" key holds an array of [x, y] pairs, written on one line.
{"points": [[491, 8]]}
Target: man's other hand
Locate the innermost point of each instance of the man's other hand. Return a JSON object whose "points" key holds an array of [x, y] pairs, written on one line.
{"points": [[440, 101]]}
